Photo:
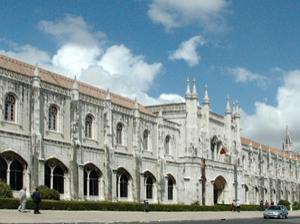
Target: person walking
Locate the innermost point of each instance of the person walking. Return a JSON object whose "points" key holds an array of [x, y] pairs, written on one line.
{"points": [[238, 205], [36, 197], [22, 197]]}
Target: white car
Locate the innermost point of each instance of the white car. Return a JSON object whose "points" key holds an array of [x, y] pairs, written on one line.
{"points": [[276, 211]]}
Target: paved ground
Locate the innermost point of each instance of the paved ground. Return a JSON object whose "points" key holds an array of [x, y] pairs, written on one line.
{"points": [[93, 217]]}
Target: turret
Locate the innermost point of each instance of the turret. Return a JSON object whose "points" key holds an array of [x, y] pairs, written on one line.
{"points": [[36, 77], [205, 121], [194, 90], [188, 90], [191, 119], [287, 144], [228, 124], [75, 89]]}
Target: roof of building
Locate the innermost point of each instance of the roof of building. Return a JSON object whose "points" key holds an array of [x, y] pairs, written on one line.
{"points": [[256, 145], [67, 83], [26, 69]]}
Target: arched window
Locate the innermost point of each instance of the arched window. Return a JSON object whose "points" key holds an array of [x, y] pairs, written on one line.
{"points": [[149, 187], [170, 189], [94, 185], [167, 144], [3, 169], [58, 179], [123, 186], [146, 139], [52, 122], [47, 176], [16, 175], [10, 107], [89, 126], [119, 134]]}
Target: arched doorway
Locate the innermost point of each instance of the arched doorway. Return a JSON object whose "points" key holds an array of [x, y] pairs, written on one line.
{"points": [[91, 182], [55, 172], [149, 186], [219, 190], [12, 167], [123, 187]]}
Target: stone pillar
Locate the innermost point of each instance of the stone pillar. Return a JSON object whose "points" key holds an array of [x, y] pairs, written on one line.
{"points": [[209, 190], [80, 181]]}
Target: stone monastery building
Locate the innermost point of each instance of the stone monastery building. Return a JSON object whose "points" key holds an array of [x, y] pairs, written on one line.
{"points": [[91, 144]]}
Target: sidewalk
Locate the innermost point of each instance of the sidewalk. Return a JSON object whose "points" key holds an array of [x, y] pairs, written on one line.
{"points": [[81, 217]]}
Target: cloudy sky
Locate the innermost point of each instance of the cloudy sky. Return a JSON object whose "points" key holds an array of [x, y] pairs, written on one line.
{"points": [[147, 49]]}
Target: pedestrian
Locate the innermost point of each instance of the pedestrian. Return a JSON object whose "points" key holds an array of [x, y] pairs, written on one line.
{"points": [[238, 205], [266, 204], [36, 197], [233, 206], [22, 197], [261, 205]]}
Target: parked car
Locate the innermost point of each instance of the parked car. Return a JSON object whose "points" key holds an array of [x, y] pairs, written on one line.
{"points": [[276, 211]]}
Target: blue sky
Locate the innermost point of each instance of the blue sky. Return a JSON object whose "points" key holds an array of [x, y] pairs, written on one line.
{"points": [[147, 49]]}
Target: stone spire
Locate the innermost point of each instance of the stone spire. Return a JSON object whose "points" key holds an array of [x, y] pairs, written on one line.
{"points": [[287, 144], [206, 99], [237, 111], [75, 89], [228, 108], [194, 90], [36, 77], [136, 105], [107, 97], [188, 91]]}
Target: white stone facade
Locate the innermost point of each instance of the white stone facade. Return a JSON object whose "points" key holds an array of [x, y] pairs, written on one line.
{"points": [[96, 145]]}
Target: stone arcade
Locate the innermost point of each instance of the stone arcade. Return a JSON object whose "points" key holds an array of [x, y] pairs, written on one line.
{"points": [[91, 144]]}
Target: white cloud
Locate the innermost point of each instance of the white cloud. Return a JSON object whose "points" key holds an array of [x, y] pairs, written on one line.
{"points": [[242, 75], [187, 51], [178, 13], [122, 72], [28, 54], [72, 29], [268, 123], [83, 52]]}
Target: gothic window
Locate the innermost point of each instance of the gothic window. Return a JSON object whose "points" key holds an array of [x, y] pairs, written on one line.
{"points": [[167, 145], [149, 187], [58, 179], [89, 126], [3, 169], [94, 189], [124, 186], [146, 140], [10, 107], [16, 175], [170, 189], [53, 114], [119, 137]]}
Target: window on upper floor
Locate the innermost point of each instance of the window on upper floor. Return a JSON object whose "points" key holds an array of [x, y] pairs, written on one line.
{"points": [[52, 119], [168, 145], [146, 136], [89, 126], [119, 135], [10, 107]]}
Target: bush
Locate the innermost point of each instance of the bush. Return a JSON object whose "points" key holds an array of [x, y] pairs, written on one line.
{"points": [[47, 193], [285, 203], [117, 206], [5, 190], [296, 205]]}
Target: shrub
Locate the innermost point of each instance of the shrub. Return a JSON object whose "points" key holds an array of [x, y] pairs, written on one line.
{"points": [[285, 203], [47, 193], [5, 190], [296, 205]]}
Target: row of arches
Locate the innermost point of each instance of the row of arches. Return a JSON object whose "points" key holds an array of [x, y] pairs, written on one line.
{"points": [[13, 168]]}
